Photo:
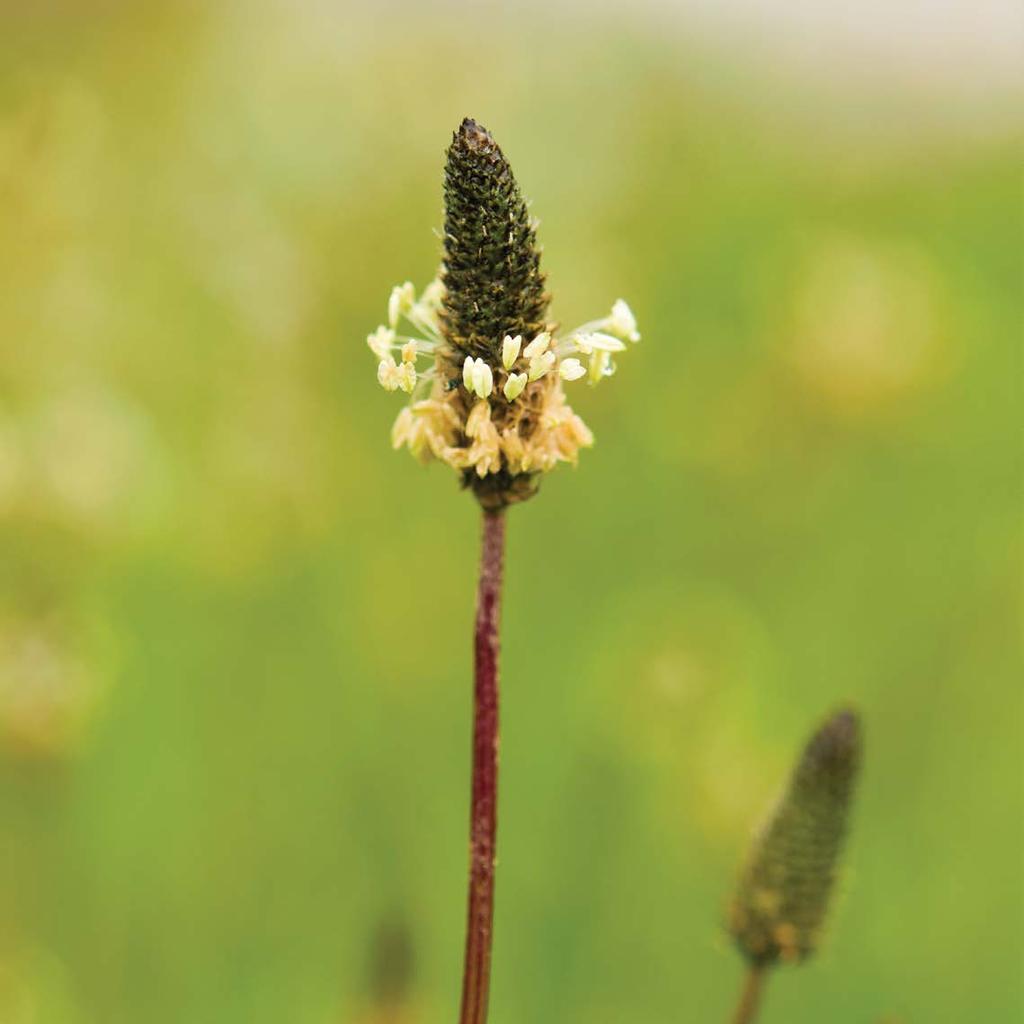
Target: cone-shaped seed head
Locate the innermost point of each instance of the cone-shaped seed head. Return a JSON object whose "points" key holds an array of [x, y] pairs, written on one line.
{"points": [[782, 896], [491, 272]]}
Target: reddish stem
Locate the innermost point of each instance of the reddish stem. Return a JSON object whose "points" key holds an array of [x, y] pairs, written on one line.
{"points": [[750, 996], [484, 810]]}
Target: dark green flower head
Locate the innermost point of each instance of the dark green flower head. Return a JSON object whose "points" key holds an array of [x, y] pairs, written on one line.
{"points": [[482, 366], [492, 278], [783, 892]]}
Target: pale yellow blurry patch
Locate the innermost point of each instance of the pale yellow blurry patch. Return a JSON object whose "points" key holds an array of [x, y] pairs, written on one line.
{"points": [[48, 692], [867, 326], [89, 451], [83, 458]]}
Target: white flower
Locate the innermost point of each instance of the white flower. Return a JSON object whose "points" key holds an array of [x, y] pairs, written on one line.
{"points": [[601, 366], [400, 301], [388, 374], [538, 346], [622, 322], [407, 377], [571, 369], [477, 377], [510, 351], [409, 352], [380, 341], [539, 365], [514, 386], [588, 341], [483, 379]]}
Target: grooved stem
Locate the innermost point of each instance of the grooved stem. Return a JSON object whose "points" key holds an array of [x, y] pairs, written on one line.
{"points": [[484, 802], [750, 997]]}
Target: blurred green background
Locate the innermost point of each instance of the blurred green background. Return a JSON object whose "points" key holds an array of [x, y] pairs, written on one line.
{"points": [[235, 627]]}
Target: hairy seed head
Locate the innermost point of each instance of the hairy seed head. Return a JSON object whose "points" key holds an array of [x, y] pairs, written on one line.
{"points": [[493, 283]]}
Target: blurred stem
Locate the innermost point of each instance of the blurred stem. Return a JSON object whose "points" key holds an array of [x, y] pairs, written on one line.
{"points": [[484, 802], [750, 997]]}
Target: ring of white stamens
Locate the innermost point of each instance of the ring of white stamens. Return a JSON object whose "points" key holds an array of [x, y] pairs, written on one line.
{"points": [[436, 425]]}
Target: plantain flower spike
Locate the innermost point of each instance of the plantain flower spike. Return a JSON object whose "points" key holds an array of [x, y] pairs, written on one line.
{"points": [[782, 896], [484, 366]]}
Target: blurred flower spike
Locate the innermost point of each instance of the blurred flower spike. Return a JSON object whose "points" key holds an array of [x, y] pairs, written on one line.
{"points": [[782, 897], [483, 366]]}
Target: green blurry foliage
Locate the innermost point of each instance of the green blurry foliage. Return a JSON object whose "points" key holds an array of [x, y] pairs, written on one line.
{"points": [[234, 627]]}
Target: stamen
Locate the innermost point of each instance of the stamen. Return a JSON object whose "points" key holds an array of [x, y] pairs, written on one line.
{"points": [[540, 365], [571, 369], [514, 386], [510, 350], [400, 302], [538, 346]]}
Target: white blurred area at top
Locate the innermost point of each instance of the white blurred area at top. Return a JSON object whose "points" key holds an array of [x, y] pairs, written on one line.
{"points": [[964, 49], [947, 45]]}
